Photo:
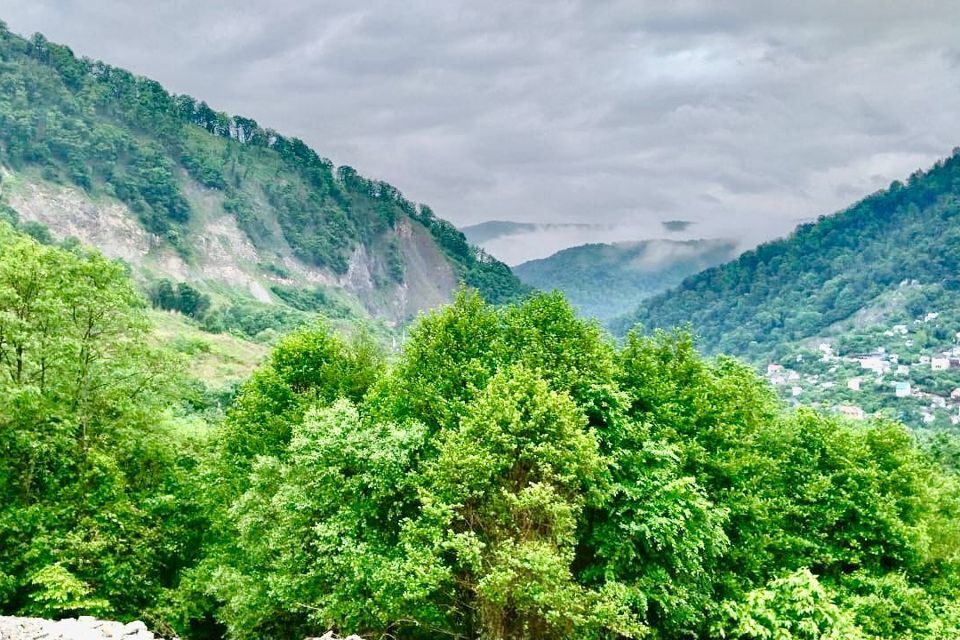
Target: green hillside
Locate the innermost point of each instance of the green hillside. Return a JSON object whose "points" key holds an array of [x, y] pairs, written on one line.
{"points": [[608, 280], [185, 192], [824, 273]]}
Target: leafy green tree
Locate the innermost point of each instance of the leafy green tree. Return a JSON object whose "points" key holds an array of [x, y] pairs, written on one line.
{"points": [[90, 493], [795, 607]]}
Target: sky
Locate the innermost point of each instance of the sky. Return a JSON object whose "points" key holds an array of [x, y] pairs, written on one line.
{"points": [[744, 117]]}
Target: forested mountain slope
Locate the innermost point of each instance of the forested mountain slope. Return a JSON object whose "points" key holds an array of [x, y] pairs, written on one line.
{"points": [[184, 192], [608, 280], [825, 272]]}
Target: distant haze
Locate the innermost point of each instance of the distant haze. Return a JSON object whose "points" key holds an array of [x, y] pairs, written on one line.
{"points": [[519, 242], [740, 116]]}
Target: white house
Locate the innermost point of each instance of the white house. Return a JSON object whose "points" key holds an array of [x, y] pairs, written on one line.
{"points": [[903, 390], [903, 370], [875, 363], [795, 390], [854, 384], [939, 363]]}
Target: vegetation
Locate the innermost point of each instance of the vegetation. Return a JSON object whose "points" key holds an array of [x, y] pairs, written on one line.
{"points": [[93, 463], [512, 474], [113, 134], [824, 273], [180, 297], [607, 280]]}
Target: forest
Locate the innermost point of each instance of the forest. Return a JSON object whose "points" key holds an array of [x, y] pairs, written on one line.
{"points": [[513, 472], [762, 304]]}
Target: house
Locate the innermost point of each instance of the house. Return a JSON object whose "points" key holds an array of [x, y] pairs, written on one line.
{"points": [[939, 401], [955, 394], [851, 411], [928, 417], [793, 376], [773, 368], [903, 370], [795, 391], [900, 329], [939, 363], [875, 363], [903, 389], [854, 384], [924, 360]]}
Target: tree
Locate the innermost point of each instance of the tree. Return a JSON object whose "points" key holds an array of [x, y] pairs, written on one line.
{"points": [[88, 479], [794, 607]]}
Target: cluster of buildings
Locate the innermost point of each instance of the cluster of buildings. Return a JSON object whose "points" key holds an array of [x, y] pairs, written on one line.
{"points": [[874, 368]]}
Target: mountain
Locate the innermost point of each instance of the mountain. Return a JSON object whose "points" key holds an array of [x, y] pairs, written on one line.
{"points": [[824, 272], [184, 193], [878, 282], [608, 280]]}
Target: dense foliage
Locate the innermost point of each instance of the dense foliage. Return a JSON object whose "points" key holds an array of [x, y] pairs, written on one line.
{"points": [[112, 133], [607, 280], [512, 474], [825, 272], [94, 468]]}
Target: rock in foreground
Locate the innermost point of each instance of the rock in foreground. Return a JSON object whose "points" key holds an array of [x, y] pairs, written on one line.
{"points": [[82, 628]]}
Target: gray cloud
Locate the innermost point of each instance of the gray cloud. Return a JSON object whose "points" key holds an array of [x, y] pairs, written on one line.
{"points": [[742, 116]]}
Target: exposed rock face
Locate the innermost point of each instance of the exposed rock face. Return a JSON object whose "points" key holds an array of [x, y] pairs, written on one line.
{"points": [[223, 254], [82, 628]]}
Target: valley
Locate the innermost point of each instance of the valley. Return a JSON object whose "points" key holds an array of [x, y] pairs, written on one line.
{"points": [[249, 394]]}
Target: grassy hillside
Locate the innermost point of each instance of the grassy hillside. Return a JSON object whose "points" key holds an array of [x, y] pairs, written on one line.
{"points": [[772, 298], [608, 280], [186, 192]]}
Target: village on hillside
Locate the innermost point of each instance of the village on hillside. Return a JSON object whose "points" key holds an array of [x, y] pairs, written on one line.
{"points": [[909, 371]]}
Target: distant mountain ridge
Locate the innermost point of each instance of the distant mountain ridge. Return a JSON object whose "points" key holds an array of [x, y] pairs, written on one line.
{"points": [[184, 192], [769, 299], [607, 280], [519, 242]]}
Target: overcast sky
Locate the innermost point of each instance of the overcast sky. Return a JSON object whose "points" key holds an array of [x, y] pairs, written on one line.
{"points": [[745, 116]]}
